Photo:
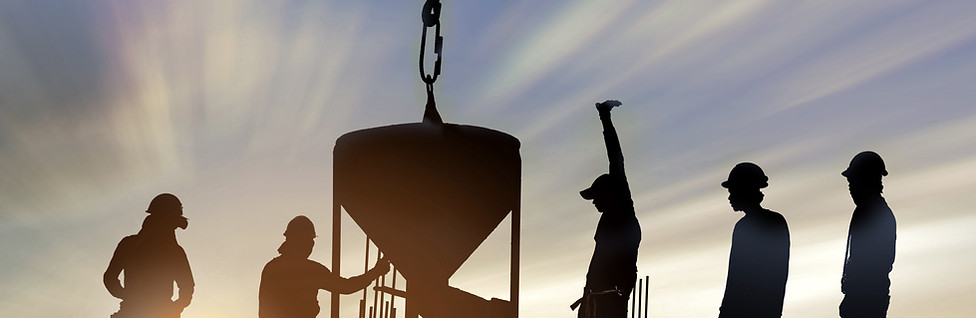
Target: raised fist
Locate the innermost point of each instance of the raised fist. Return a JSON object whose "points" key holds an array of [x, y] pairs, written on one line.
{"points": [[607, 105]]}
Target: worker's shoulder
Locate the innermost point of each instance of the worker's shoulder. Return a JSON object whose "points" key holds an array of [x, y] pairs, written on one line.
{"points": [[774, 216], [882, 205], [283, 263], [317, 265], [129, 241], [770, 220]]}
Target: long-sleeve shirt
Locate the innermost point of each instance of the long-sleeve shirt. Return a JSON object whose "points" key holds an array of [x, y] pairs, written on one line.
{"points": [[618, 234], [290, 285], [151, 265], [616, 158], [758, 267], [871, 249]]}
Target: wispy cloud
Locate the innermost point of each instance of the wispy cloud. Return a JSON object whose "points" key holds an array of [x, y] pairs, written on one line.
{"points": [[886, 47], [235, 105]]}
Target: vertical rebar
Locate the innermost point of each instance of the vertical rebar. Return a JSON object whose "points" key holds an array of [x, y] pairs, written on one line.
{"points": [[376, 294], [392, 296], [646, 293], [633, 304], [380, 281], [366, 261], [362, 303], [640, 290]]}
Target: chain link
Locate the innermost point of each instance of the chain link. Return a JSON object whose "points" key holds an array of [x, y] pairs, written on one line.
{"points": [[432, 19]]}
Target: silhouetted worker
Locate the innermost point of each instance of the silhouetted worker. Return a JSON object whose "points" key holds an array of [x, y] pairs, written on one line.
{"points": [[760, 258], [151, 261], [870, 241], [290, 283], [613, 267]]}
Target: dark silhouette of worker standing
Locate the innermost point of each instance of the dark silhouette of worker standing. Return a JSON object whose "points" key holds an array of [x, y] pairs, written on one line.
{"points": [[290, 283], [613, 267], [151, 261], [760, 258], [870, 241]]}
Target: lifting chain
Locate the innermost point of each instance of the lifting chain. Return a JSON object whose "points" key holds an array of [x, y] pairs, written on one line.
{"points": [[432, 19]]}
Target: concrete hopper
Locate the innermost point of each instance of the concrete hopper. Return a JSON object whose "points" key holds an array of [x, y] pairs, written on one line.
{"points": [[427, 195]]}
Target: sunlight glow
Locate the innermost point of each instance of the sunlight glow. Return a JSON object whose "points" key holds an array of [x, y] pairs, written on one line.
{"points": [[235, 107]]}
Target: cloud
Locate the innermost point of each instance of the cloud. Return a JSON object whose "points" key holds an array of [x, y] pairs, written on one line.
{"points": [[236, 105], [897, 43]]}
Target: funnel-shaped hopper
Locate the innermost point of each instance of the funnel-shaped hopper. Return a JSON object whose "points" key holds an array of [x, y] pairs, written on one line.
{"points": [[427, 194]]}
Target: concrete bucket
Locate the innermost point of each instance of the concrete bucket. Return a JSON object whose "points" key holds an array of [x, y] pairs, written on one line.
{"points": [[427, 195]]}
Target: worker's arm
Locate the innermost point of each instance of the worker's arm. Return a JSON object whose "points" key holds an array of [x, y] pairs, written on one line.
{"points": [[184, 281], [115, 266], [335, 283], [614, 153]]}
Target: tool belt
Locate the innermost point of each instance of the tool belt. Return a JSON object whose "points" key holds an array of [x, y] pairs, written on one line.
{"points": [[587, 297]]}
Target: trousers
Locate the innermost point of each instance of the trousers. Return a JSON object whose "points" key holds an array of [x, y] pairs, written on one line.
{"points": [[864, 306]]}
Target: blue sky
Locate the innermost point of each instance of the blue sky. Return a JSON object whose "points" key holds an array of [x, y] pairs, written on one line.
{"points": [[234, 106]]}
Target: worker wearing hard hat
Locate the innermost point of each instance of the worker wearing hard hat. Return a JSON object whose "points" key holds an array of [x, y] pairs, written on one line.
{"points": [[151, 262], [870, 241], [613, 267], [290, 282], [760, 256]]}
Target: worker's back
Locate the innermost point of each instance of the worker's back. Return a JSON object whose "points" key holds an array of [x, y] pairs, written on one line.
{"points": [[288, 288]]}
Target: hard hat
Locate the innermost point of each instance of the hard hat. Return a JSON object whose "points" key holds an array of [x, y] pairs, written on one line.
{"points": [[300, 227], [165, 203], [866, 164], [746, 175], [602, 184]]}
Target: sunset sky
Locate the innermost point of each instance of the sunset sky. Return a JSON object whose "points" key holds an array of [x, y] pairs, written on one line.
{"points": [[234, 106]]}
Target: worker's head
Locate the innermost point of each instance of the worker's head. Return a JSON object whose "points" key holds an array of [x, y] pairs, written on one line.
{"points": [[300, 227], [603, 192], [165, 203], [166, 211], [299, 237], [744, 182], [864, 175]]}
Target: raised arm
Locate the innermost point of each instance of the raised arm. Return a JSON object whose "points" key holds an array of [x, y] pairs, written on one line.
{"points": [[333, 282], [614, 153]]}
